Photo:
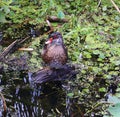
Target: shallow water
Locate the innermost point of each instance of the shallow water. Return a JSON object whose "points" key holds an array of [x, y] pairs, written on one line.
{"points": [[25, 99], [75, 97]]}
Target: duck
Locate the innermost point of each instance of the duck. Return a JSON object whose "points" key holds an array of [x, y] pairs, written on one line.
{"points": [[54, 53]]}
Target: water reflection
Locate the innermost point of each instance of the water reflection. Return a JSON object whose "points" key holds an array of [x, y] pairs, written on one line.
{"points": [[26, 100]]}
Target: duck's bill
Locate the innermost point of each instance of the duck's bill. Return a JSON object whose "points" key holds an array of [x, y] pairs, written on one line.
{"points": [[48, 42]]}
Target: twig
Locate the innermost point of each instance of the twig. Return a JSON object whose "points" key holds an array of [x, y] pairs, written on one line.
{"points": [[49, 24], [117, 8], [4, 102], [95, 106], [16, 44], [23, 40], [26, 49], [99, 3], [7, 50], [79, 112]]}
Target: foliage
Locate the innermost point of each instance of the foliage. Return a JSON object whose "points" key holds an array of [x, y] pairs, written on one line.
{"points": [[16, 15], [92, 36]]}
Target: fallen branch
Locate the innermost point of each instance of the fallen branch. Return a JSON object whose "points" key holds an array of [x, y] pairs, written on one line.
{"points": [[49, 74]]}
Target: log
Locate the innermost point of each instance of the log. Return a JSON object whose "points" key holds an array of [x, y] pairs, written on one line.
{"points": [[50, 74]]}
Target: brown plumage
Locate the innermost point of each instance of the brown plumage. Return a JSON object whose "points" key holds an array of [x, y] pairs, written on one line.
{"points": [[54, 53]]}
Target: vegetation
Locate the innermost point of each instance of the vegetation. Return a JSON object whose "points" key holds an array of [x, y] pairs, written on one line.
{"points": [[92, 36]]}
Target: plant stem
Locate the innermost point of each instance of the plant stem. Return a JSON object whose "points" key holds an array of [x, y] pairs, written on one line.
{"points": [[117, 8]]}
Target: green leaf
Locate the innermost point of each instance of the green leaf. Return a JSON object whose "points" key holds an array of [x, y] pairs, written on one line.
{"points": [[117, 62], [104, 8], [103, 89], [89, 38], [105, 68], [115, 110], [96, 69], [83, 71], [52, 4], [87, 54], [2, 17], [96, 52], [61, 15], [6, 9], [70, 95], [117, 18], [102, 56]]}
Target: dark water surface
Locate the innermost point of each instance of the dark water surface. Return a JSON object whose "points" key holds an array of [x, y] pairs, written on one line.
{"points": [[25, 99], [76, 97]]}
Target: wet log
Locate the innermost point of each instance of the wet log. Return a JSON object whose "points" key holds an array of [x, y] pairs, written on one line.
{"points": [[51, 74]]}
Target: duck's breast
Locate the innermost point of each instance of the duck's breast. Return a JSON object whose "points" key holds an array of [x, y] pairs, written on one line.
{"points": [[55, 53]]}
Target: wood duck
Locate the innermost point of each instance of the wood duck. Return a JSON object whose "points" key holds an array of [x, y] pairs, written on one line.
{"points": [[54, 52]]}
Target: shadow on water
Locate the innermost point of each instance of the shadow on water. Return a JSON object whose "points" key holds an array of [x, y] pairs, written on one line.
{"points": [[54, 99], [24, 99]]}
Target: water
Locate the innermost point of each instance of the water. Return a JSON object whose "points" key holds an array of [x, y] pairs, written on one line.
{"points": [[25, 99], [54, 99]]}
